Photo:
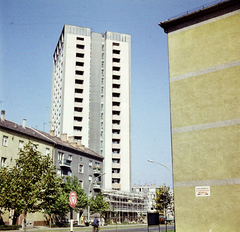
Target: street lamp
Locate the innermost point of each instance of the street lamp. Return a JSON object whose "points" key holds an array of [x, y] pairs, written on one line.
{"points": [[160, 164], [171, 173], [89, 193]]}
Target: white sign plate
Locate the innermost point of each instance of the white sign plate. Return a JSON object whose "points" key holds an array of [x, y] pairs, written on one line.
{"points": [[202, 191]]}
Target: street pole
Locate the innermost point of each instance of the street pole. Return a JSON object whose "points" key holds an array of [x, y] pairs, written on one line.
{"points": [[89, 194], [171, 173]]}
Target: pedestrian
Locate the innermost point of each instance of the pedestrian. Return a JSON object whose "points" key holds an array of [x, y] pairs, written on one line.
{"points": [[95, 224]]}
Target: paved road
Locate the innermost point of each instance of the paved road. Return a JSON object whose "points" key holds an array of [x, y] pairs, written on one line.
{"points": [[133, 229]]}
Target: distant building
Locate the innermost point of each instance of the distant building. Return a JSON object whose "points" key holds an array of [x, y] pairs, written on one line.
{"points": [[91, 97], [149, 191], [126, 206], [204, 69], [71, 159]]}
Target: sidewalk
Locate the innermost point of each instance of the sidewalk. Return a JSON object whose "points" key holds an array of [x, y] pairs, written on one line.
{"points": [[79, 228]]}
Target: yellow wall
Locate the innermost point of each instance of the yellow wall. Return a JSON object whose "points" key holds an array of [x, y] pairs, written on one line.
{"points": [[11, 153], [204, 46], [200, 155], [219, 212], [11, 150]]}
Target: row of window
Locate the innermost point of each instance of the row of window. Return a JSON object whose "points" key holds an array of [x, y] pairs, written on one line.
{"points": [[20, 144]]}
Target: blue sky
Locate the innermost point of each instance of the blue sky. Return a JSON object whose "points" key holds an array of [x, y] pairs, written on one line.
{"points": [[29, 31]]}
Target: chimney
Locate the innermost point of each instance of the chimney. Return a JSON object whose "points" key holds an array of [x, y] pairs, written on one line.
{"points": [[2, 115], [52, 132], [24, 123], [72, 142], [64, 137], [79, 143], [71, 139]]}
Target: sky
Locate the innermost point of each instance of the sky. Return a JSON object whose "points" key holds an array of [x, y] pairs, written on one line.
{"points": [[29, 32]]}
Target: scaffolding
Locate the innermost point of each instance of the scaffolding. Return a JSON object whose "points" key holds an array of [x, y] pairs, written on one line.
{"points": [[126, 207]]}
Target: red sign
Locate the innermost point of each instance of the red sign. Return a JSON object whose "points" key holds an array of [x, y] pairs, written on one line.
{"points": [[73, 199]]}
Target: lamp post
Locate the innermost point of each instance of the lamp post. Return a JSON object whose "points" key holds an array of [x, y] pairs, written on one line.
{"points": [[89, 193], [171, 173], [160, 164]]}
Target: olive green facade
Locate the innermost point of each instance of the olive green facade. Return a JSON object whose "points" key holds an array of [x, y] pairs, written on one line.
{"points": [[204, 69]]}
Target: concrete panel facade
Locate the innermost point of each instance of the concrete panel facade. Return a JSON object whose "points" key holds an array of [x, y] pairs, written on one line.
{"points": [[204, 67]]}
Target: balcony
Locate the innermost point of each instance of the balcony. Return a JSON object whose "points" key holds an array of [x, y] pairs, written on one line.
{"points": [[65, 163], [116, 155], [96, 170], [97, 185], [116, 165], [116, 185], [116, 175], [78, 95], [116, 136]]}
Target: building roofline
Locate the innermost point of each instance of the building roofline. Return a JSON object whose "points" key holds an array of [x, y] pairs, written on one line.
{"points": [[200, 12], [45, 137]]}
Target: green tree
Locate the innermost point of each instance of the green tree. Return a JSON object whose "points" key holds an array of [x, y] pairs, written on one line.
{"points": [[73, 184], [163, 198], [51, 191], [24, 187], [98, 204]]}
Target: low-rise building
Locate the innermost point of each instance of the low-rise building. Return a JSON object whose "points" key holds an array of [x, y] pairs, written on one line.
{"points": [[70, 158]]}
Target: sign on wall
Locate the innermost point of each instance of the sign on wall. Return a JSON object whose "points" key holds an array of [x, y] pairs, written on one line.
{"points": [[202, 191]]}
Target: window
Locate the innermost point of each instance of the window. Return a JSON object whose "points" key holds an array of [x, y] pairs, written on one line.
{"points": [[78, 82], [69, 157], [116, 141], [116, 60], [116, 77], [78, 119], [3, 161], [116, 151], [81, 183], [116, 103], [97, 164], [79, 72], [116, 112], [115, 68], [80, 38], [116, 51], [116, 122], [80, 168], [60, 156], [59, 172], [20, 144], [115, 181], [90, 163], [4, 141], [78, 109], [115, 170], [79, 64], [116, 94], [115, 44], [34, 146], [78, 100], [116, 86], [78, 90], [80, 46], [47, 151], [69, 173], [81, 55], [116, 131], [77, 128]]}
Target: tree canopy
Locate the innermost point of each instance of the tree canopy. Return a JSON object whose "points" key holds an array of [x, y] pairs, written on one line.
{"points": [[31, 185], [163, 198], [98, 204]]}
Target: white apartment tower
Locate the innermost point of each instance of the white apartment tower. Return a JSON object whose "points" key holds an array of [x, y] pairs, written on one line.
{"points": [[91, 97]]}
